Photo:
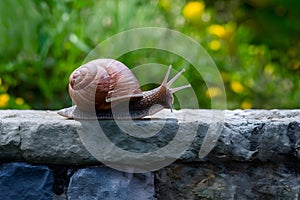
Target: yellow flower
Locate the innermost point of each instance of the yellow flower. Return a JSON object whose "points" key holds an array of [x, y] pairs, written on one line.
{"points": [[19, 101], [269, 69], [215, 45], [213, 92], [217, 30], [4, 98], [246, 105], [193, 11], [224, 32], [237, 87]]}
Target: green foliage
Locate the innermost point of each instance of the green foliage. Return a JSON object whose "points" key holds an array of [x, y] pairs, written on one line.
{"points": [[255, 44]]}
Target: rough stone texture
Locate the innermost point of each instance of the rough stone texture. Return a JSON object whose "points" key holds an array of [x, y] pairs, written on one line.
{"points": [[225, 181], [40, 137], [256, 156], [109, 184], [45, 137], [24, 181]]}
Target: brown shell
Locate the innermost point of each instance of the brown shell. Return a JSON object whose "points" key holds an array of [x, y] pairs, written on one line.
{"points": [[95, 84]]}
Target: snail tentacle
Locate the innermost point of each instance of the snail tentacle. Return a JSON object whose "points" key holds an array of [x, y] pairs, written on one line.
{"points": [[168, 84]]}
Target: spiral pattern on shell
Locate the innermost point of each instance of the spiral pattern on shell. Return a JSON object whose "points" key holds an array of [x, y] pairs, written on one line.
{"points": [[95, 84]]}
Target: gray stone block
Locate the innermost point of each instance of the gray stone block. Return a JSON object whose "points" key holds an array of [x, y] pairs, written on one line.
{"points": [[24, 181], [108, 184], [256, 155], [40, 137], [44, 136], [223, 181]]}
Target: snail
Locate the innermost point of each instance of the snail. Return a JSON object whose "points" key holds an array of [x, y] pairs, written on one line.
{"points": [[107, 89]]}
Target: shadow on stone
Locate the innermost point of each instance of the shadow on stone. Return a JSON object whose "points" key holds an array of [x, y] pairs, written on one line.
{"points": [[131, 143]]}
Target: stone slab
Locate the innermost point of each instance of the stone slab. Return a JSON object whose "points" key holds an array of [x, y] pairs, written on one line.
{"points": [[109, 184], [245, 135], [25, 181], [234, 180]]}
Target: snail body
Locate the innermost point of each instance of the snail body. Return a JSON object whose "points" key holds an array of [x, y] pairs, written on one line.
{"points": [[107, 89]]}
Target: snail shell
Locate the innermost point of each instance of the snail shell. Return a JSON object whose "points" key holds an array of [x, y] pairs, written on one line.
{"points": [[107, 89], [97, 83]]}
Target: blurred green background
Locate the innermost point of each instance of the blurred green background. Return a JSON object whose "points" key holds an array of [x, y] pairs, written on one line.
{"points": [[255, 44]]}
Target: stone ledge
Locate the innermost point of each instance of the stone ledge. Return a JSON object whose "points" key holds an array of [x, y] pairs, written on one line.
{"points": [[45, 137]]}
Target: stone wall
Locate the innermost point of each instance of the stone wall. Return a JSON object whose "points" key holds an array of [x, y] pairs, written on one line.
{"points": [[44, 156]]}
